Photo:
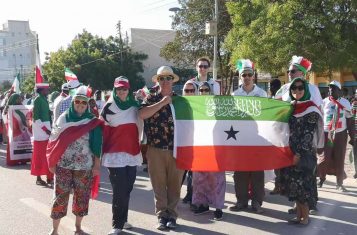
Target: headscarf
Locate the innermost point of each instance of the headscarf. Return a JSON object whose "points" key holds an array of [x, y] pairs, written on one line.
{"points": [[194, 84], [306, 95], [124, 105], [206, 84]]}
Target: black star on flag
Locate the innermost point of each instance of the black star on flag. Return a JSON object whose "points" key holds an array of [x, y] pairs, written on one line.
{"points": [[231, 133]]}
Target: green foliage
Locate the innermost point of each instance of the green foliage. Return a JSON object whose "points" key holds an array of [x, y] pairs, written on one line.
{"points": [[96, 61], [27, 86], [5, 86], [190, 41], [271, 32]]}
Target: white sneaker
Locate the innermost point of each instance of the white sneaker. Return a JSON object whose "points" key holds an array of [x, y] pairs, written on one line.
{"points": [[114, 231], [127, 226]]}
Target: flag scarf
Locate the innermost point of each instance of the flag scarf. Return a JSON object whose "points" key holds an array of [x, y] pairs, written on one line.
{"points": [[69, 75], [62, 137], [16, 84], [220, 133]]}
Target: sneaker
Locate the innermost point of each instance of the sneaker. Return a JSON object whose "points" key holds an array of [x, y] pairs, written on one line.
{"points": [[162, 224], [313, 210], [201, 210], [114, 231], [257, 207], [341, 188], [127, 226], [218, 214], [238, 207], [171, 223], [187, 198]]}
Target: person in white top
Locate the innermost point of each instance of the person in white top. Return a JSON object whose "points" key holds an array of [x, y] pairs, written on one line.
{"points": [[337, 120], [202, 66], [242, 179], [56, 103], [98, 100], [299, 67]]}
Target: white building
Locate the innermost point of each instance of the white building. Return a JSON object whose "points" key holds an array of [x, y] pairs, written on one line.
{"points": [[150, 42], [17, 49]]}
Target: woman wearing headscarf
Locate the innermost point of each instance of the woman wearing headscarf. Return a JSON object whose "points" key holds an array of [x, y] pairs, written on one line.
{"points": [[121, 149], [19, 128], [306, 134], [73, 155], [208, 187]]}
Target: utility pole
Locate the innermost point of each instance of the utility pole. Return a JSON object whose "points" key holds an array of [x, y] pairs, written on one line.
{"points": [[215, 42]]}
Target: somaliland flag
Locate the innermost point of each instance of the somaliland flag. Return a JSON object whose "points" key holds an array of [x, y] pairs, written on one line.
{"points": [[231, 133], [69, 75]]}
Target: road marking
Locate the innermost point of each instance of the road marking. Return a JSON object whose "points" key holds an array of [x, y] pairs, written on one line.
{"points": [[66, 222]]}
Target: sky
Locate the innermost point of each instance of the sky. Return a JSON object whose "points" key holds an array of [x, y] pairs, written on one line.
{"points": [[57, 22]]}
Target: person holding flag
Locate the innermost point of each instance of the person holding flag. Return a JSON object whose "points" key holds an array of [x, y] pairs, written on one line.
{"points": [[41, 129]]}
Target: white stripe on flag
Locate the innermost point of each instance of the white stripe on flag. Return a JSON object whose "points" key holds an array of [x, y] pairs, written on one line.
{"points": [[212, 132]]}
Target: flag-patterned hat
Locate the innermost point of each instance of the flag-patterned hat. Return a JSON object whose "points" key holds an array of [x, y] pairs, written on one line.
{"points": [[42, 85], [244, 64], [301, 63]]}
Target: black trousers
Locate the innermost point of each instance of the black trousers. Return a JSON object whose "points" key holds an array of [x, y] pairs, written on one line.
{"points": [[122, 180], [241, 186]]}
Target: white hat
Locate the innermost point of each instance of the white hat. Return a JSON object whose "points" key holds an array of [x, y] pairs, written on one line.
{"points": [[335, 83], [83, 91], [65, 87], [73, 84], [165, 71]]}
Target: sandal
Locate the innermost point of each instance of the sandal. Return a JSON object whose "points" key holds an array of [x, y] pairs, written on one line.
{"points": [[41, 182], [80, 232], [294, 220]]}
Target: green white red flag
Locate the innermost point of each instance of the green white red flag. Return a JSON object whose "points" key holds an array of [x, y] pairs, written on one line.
{"points": [[230, 133], [69, 75], [38, 70], [16, 84]]}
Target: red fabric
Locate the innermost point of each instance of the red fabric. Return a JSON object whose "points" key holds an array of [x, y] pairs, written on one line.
{"points": [[39, 164], [339, 108], [15, 127], [119, 139], [301, 107], [56, 148], [233, 158], [95, 187], [39, 78]]}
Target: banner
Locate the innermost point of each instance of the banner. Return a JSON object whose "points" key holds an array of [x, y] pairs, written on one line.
{"points": [[230, 133], [20, 131]]}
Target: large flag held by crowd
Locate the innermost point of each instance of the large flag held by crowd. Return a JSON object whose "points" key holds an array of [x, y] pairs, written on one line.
{"points": [[219, 133]]}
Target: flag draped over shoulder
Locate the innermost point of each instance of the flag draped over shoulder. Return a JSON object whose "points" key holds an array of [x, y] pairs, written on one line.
{"points": [[16, 84], [69, 75], [220, 133]]}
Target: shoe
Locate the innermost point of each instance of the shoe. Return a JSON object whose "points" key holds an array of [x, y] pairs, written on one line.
{"points": [[80, 232], [303, 223], [321, 182], [355, 176], [114, 231], [193, 207], [294, 220], [238, 207], [127, 226], [340, 188], [257, 208], [292, 211], [275, 191], [201, 210], [187, 199], [313, 210], [41, 182], [171, 223], [218, 214], [162, 224]]}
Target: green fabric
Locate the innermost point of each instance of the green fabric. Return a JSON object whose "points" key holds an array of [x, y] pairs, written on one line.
{"points": [[95, 135], [41, 109], [124, 105], [301, 68], [13, 101], [307, 94]]}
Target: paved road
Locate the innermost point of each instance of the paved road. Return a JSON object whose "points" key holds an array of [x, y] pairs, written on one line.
{"points": [[25, 208]]}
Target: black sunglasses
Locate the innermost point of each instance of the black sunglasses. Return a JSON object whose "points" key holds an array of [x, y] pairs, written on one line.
{"points": [[203, 66], [245, 74], [292, 71], [189, 90], [204, 90], [300, 88], [122, 89], [165, 78]]}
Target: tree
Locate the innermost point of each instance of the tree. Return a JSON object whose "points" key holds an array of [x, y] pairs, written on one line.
{"points": [[27, 86], [190, 41], [271, 32], [6, 85], [96, 61]]}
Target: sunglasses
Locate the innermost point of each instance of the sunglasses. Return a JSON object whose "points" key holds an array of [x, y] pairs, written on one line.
{"points": [[122, 89], [83, 102], [245, 74], [300, 88], [204, 90], [165, 78], [292, 71], [189, 90], [203, 66]]}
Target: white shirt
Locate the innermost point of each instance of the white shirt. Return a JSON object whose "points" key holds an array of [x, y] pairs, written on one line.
{"points": [[329, 108], [257, 91]]}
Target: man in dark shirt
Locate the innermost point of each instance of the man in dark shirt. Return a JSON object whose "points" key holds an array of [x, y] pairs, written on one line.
{"points": [[159, 129]]}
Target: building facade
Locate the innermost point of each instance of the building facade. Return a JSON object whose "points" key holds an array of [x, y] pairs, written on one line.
{"points": [[18, 45]]}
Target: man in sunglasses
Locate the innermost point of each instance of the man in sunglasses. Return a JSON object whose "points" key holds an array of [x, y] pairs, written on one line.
{"points": [[202, 67], [242, 179], [299, 67], [165, 177]]}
